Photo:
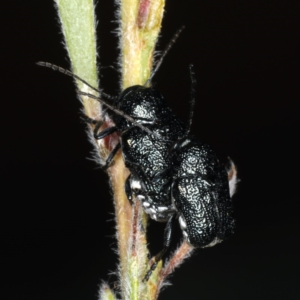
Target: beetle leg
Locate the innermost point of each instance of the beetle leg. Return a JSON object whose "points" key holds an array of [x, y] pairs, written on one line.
{"points": [[104, 133], [111, 156], [128, 190], [159, 255], [89, 120]]}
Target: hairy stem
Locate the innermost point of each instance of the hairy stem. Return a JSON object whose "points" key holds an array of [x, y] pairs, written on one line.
{"points": [[139, 27]]}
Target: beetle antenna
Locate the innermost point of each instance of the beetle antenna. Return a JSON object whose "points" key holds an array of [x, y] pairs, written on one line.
{"points": [[169, 46], [192, 99], [69, 73], [103, 100]]}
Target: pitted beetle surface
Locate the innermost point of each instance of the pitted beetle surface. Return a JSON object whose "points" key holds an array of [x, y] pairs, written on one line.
{"points": [[200, 193]]}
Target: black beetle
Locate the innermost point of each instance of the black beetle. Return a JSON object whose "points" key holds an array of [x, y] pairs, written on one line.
{"points": [[172, 174], [200, 193]]}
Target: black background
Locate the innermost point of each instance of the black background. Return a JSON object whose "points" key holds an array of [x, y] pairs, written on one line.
{"points": [[57, 229]]}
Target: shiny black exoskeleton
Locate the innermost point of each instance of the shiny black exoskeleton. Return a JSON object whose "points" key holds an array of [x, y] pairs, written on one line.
{"points": [[200, 193]]}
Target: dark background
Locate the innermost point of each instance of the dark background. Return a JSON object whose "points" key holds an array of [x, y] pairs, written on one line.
{"points": [[57, 229]]}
